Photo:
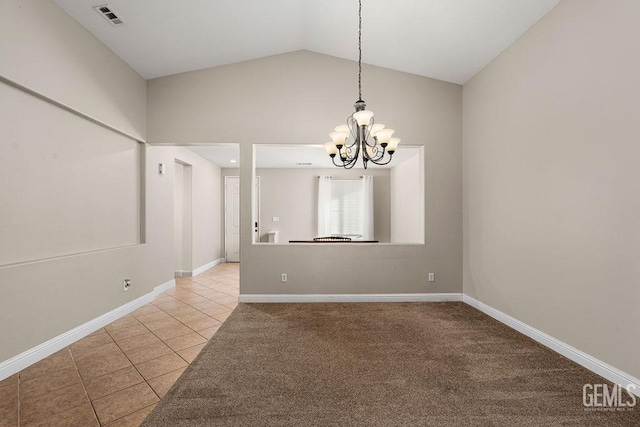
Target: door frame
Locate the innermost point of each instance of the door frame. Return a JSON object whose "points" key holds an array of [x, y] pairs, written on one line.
{"points": [[255, 210], [186, 216], [255, 213]]}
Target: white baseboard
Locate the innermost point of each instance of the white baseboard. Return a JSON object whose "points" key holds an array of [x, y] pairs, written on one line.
{"points": [[164, 287], [205, 267], [284, 298], [41, 351], [597, 366], [199, 270]]}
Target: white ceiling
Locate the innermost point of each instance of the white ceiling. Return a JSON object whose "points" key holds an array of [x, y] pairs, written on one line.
{"points": [[450, 40], [287, 156], [223, 155]]}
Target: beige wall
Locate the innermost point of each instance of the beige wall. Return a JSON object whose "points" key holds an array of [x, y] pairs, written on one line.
{"points": [[43, 48], [407, 201], [47, 51], [78, 181], [292, 195], [551, 179], [67, 185], [296, 98]]}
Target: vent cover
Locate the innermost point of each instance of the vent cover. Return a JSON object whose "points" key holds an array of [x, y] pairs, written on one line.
{"points": [[108, 13], [304, 164]]}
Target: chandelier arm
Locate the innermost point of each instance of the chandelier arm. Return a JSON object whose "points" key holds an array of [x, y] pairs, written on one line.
{"points": [[373, 144], [349, 160], [381, 153], [360, 141], [365, 154], [357, 153], [377, 162], [348, 163], [377, 152], [348, 151], [352, 125], [353, 159], [333, 159]]}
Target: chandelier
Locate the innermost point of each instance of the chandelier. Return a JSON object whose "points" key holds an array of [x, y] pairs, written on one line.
{"points": [[361, 134]]}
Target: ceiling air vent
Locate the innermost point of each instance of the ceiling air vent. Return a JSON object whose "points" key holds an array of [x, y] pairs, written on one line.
{"points": [[108, 13], [304, 164]]}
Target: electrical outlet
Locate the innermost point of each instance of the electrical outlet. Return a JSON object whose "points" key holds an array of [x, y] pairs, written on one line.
{"points": [[432, 277], [284, 277], [126, 285]]}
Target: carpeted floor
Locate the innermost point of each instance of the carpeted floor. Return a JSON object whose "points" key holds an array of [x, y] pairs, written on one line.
{"points": [[378, 364]]}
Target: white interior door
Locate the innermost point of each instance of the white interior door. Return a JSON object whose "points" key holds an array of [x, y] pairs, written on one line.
{"points": [[232, 218]]}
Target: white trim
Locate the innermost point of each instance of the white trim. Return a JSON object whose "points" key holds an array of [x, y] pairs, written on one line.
{"points": [[199, 270], [39, 352], [591, 363], [68, 108], [164, 287], [280, 298], [205, 267]]}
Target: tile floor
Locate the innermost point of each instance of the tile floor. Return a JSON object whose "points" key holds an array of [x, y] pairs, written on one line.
{"points": [[116, 376]]}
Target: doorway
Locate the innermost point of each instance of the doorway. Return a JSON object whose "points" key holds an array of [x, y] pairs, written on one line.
{"points": [[182, 217]]}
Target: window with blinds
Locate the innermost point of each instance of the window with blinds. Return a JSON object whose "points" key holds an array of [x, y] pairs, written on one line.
{"points": [[346, 208]]}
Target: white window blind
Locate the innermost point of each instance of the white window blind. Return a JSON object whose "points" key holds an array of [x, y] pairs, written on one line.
{"points": [[346, 208]]}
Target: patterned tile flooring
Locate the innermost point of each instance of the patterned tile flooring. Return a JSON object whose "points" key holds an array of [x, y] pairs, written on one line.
{"points": [[116, 375]]}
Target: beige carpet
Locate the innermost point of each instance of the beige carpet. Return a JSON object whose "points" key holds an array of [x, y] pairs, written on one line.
{"points": [[377, 364]]}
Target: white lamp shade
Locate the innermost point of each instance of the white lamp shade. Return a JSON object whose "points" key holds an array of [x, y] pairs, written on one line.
{"points": [[331, 148], [363, 118], [339, 137], [342, 128], [393, 144], [384, 135]]}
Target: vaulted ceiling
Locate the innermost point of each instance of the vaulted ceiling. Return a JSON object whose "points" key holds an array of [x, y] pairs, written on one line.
{"points": [[450, 40]]}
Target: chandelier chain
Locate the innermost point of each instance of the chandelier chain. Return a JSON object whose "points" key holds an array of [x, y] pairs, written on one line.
{"points": [[360, 50]]}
